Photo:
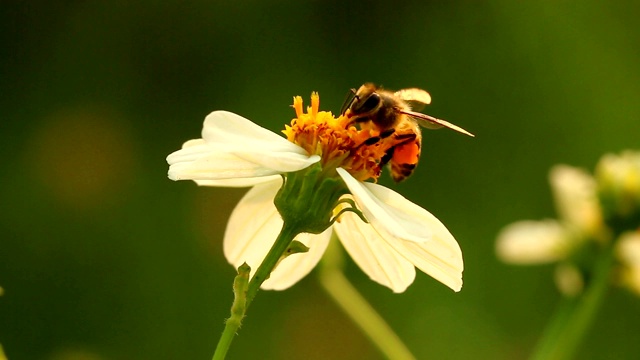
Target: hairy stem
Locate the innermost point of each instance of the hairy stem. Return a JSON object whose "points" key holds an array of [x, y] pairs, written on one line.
{"points": [[244, 293]]}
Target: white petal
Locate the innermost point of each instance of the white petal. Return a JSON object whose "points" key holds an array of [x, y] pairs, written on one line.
{"points": [[373, 255], [411, 230], [204, 162], [434, 257], [296, 266], [253, 226], [191, 150], [253, 143], [252, 229], [223, 127], [628, 248], [198, 160], [234, 147], [380, 209], [576, 200], [533, 242], [239, 182], [281, 162], [620, 174]]}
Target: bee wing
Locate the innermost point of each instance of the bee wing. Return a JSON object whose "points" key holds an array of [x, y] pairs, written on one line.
{"points": [[430, 122], [416, 98]]}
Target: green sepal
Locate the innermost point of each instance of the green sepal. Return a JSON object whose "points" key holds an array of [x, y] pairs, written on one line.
{"points": [[308, 197]]}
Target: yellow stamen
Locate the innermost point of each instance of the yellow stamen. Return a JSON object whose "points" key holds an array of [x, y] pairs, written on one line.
{"points": [[297, 105], [336, 140], [315, 104]]}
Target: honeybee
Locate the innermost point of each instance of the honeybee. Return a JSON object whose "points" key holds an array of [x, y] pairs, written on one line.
{"points": [[392, 114]]}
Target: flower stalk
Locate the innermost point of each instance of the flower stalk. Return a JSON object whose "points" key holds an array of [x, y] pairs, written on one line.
{"points": [[244, 292], [280, 246], [571, 322], [305, 201], [356, 307], [594, 240], [238, 310]]}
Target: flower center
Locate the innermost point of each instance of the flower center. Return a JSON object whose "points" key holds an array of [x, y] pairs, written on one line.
{"points": [[336, 140]]}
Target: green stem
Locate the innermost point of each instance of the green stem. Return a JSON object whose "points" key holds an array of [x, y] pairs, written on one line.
{"points": [[238, 309], [286, 236], [357, 308], [244, 293], [574, 316]]}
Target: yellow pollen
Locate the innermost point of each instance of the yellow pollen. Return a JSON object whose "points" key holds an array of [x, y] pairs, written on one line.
{"points": [[336, 140], [315, 104], [297, 105]]}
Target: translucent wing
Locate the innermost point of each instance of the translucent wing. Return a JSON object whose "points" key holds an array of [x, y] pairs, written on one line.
{"points": [[430, 122], [416, 98]]}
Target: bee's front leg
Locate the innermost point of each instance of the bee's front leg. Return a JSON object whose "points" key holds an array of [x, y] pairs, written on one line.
{"points": [[383, 135]]}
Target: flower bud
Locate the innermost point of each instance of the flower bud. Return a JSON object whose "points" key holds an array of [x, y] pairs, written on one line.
{"points": [[574, 192], [628, 253], [569, 279], [618, 178]]}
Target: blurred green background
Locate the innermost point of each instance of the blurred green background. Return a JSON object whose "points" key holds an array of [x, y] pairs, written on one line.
{"points": [[103, 257]]}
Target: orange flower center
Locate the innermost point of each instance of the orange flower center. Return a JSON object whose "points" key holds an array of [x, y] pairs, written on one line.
{"points": [[336, 140]]}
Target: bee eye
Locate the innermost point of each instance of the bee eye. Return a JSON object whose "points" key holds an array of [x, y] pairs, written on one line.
{"points": [[370, 103]]}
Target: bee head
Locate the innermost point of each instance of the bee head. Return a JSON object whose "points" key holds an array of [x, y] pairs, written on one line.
{"points": [[365, 102]]}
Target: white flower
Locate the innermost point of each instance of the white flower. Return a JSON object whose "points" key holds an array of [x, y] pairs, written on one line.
{"points": [[234, 151], [532, 242], [628, 252], [400, 235], [618, 178], [579, 218], [574, 192]]}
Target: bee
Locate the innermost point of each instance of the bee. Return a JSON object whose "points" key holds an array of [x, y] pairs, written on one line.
{"points": [[394, 114]]}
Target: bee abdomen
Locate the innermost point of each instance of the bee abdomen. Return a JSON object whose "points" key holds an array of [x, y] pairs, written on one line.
{"points": [[399, 172], [403, 160]]}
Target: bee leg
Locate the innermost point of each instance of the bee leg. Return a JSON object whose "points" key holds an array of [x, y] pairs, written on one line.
{"points": [[354, 119], [405, 138], [372, 140], [387, 156], [383, 135]]}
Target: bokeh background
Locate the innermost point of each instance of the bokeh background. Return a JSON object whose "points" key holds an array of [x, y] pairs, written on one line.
{"points": [[103, 257]]}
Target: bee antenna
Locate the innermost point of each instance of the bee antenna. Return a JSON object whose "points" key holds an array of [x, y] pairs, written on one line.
{"points": [[349, 99]]}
